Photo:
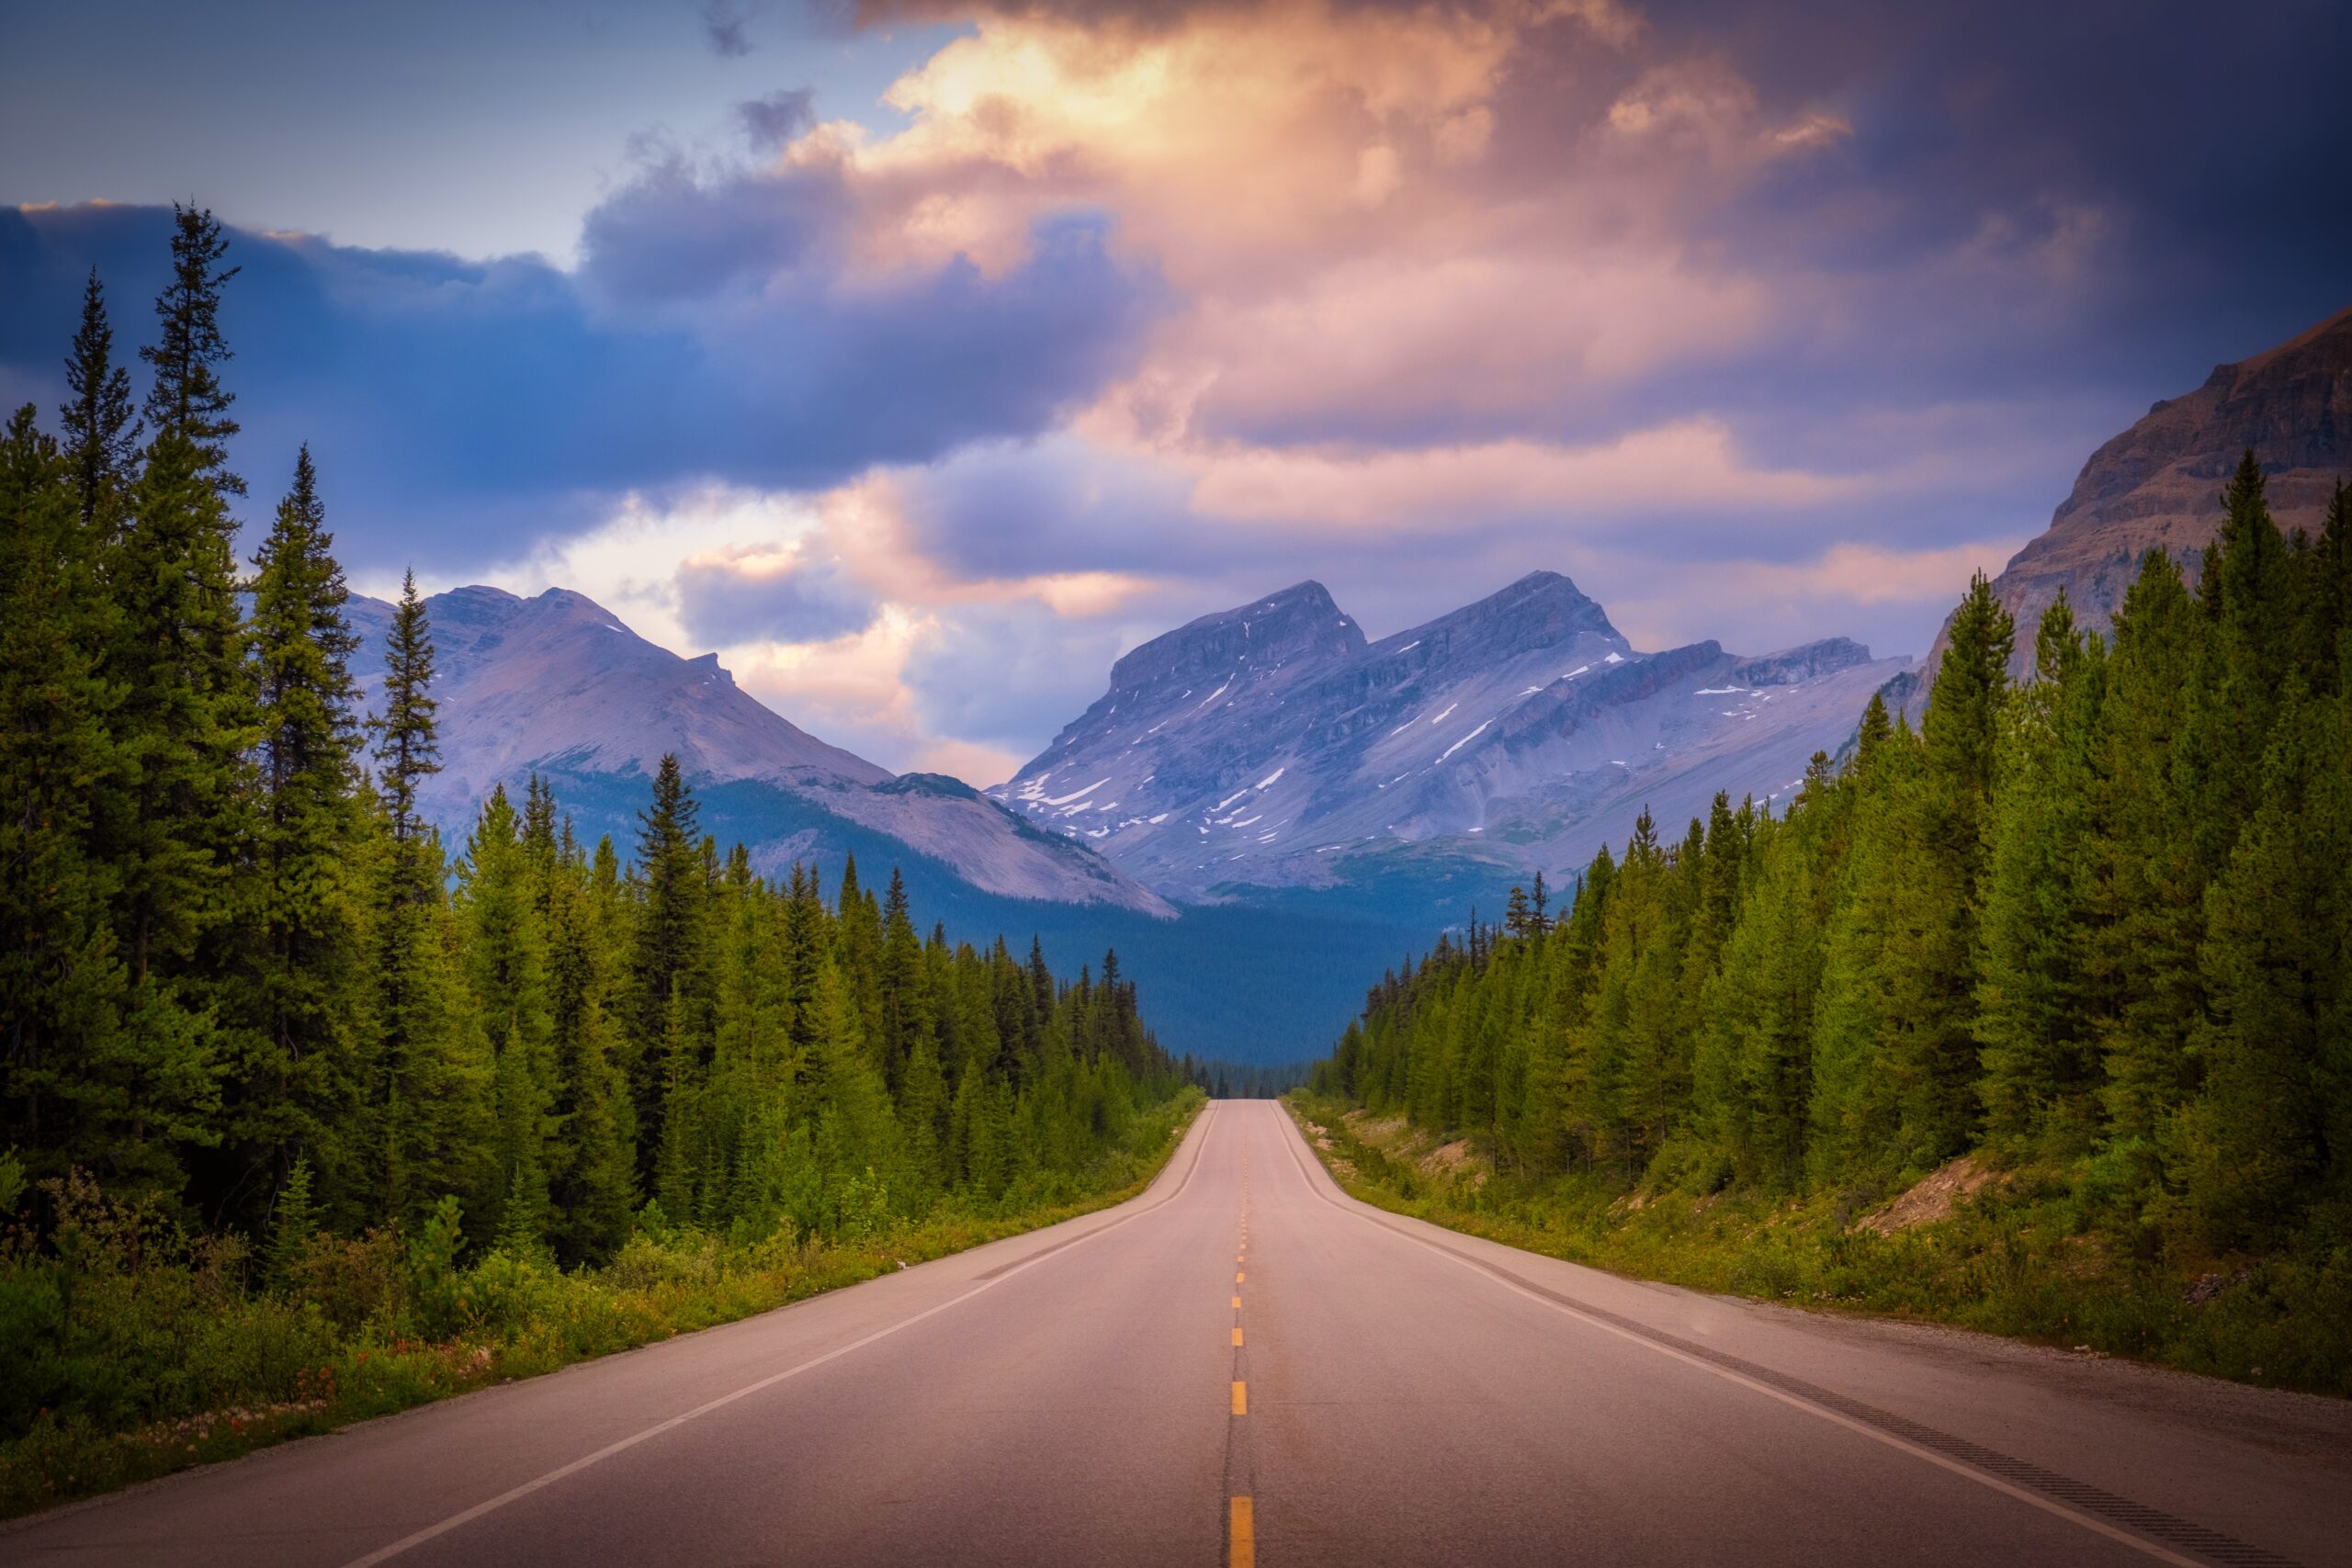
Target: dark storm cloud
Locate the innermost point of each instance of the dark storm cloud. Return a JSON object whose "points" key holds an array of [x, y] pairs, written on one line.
{"points": [[460, 409]]}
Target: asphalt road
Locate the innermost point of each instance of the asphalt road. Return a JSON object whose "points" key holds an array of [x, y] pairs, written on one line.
{"points": [[1244, 1365]]}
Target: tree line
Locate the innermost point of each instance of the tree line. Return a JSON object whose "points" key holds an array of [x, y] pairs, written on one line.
{"points": [[243, 981], [2098, 919]]}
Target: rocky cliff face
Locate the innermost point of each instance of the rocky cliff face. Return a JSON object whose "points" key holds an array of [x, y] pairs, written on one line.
{"points": [[1272, 746], [2158, 485], [557, 684]]}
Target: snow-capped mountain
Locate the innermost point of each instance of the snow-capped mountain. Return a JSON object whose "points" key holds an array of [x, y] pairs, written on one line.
{"points": [[1272, 745], [558, 685]]}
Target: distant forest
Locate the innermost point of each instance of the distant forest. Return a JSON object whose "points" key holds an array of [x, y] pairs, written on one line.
{"points": [[2097, 923], [244, 987]]}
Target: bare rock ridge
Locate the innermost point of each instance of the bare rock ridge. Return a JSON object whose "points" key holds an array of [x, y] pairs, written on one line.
{"points": [[1271, 745], [557, 685], [2158, 485], [1299, 625]]}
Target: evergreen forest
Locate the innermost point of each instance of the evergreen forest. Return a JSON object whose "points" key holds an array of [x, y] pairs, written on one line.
{"points": [[2091, 930], [288, 1078]]}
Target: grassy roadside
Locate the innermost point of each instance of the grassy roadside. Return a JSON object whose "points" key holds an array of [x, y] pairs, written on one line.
{"points": [[2013, 1257], [177, 1363]]}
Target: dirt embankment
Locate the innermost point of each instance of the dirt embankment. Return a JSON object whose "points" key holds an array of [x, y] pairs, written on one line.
{"points": [[1931, 1199], [1440, 1159]]}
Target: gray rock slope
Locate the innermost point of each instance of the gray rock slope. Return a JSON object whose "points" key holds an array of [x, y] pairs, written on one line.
{"points": [[1272, 745]]}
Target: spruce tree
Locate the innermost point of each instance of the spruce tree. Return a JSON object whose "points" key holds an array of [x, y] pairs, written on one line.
{"points": [[427, 1082], [506, 951], [2034, 1020], [2246, 592], [592, 1161], [72, 1078], [1932, 937], [408, 748], [669, 964], [295, 1082], [2256, 1139], [907, 1024], [186, 729], [2144, 889], [186, 398], [101, 429]]}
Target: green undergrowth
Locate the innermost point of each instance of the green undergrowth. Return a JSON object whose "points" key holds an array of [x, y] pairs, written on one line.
{"points": [[128, 1351], [2024, 1256]]}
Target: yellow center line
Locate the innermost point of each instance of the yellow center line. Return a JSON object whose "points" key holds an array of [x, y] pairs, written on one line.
{"points": [[1237, 1279], [1241, 1533], [1237, 1304], [1237, 1335], [1241, 1398]]}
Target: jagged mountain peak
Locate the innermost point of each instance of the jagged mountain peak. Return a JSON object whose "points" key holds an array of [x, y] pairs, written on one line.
{"points": [[1301, 621], [1543, 610], [1212, 761]]}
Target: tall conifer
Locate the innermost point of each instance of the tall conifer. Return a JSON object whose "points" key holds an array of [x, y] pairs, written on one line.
{"points": [[186, 398]]}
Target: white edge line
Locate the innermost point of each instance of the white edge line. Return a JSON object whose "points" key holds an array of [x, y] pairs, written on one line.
{"points": [[490, 1505], [2023, 1495]]}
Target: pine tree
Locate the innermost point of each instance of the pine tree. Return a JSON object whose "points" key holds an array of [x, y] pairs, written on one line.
{"points": [[293, 1222], [1931, 980], [2034, 1021], [70, 1074], [592, 1162], [668, 966], [505, 952], [184, 727], [101, 431], [408, 748], [2256, 1139], [2144, 889], [2246, 591], [295, 1082], [187, 399], [1855, 1112], [426, 1083], [907, 1024]]}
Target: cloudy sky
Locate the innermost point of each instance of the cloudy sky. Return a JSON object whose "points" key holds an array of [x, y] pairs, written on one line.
{"points": [[921, 356]]}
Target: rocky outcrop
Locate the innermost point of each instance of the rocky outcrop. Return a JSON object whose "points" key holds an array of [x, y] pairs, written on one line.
{"points": [[2158, 485]]}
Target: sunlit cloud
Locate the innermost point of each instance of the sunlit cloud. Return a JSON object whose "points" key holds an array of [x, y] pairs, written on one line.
{"points": [[1122, 310]]}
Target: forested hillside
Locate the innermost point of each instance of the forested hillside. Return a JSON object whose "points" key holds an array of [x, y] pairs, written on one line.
{"points": [[2094, 929], [275, 1056]]}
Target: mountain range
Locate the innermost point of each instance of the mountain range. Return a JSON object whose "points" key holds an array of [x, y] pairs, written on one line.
{"points": [[1272, 746], [1264, 812], [558, 685], [1266, 807]]}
